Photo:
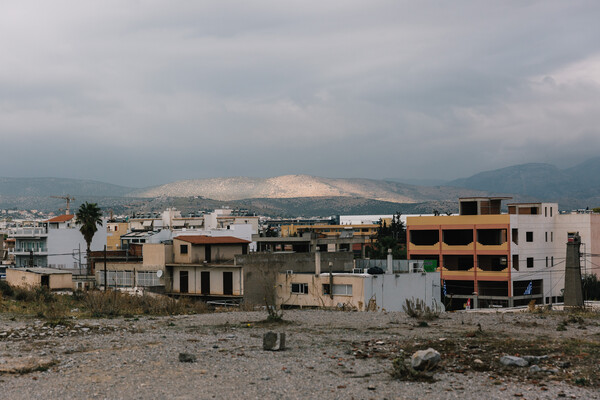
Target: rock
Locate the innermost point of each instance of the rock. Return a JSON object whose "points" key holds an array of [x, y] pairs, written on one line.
{"points": [[478, 361], [534, 359], [564, 364], [534, 368], [187, 357], [425, 360], [512, 361], [270, 341]]}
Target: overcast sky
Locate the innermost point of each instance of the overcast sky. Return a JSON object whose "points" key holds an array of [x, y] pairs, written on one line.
{"points": [[147, 92]]}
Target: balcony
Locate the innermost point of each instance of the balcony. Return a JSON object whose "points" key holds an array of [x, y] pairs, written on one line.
{"points": [[28, 232], [492, 247], [26, 252], [465, 247], [434, 248], [502, 275], [468, 275]]}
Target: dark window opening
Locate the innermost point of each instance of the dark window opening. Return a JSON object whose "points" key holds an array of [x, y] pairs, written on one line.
{"points": [[515, 235], [300, 288], [457, 237], [183, 249], [515, 262], [458, 263], [424, 237], [468, 208], [529, 236], [529, 262], [489, 288], [491, 237], [491, 263]]}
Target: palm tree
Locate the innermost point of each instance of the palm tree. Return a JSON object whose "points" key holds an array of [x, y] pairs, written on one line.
{"points": [[89, 216]]}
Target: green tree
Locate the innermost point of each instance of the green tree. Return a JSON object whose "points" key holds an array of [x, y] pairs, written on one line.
{"points": [[89, 216], [389, 237]]}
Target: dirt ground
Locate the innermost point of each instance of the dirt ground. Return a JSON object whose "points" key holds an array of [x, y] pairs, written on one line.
{"points": [[329, 354]]}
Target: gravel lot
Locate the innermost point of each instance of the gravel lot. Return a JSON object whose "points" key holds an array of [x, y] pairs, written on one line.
{"points": [[329, 354]]}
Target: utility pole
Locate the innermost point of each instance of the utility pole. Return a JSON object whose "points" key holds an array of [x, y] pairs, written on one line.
{"points": [[573, 290], [105, 271]]}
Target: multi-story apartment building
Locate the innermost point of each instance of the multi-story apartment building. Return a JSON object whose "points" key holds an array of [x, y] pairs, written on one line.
{"points": [[55, 243], [501, 259]]}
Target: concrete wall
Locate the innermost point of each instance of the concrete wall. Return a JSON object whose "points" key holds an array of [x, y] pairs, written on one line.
{"points": [[390, 291], [261, 270], [315, 296], [157, 255]]}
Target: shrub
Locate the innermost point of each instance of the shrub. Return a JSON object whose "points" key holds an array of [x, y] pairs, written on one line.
{"points": [[6, 289], [418, 309]]}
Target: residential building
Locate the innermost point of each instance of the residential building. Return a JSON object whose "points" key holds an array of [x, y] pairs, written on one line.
{"points": [[205, 266], [500, 259]]}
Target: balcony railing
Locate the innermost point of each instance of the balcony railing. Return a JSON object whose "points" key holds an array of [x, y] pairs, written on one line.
{"points": [[28, 232]]}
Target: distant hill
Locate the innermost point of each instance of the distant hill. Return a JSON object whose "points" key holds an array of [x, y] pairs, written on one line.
{"points": [[304, 186], [574, 187], [59, 186]]}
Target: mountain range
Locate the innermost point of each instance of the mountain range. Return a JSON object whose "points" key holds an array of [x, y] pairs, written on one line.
{"points": [[574, 187]]}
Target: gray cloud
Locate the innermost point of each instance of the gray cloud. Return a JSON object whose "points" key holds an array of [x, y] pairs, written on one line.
{"points": [[142, 93]]}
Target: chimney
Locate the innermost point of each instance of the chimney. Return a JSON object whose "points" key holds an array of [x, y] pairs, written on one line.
{"points": [[317, 262], [390, 262]]}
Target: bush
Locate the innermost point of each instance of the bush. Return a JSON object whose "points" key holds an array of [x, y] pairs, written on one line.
{"points": [[6, 289], [418, 309]]}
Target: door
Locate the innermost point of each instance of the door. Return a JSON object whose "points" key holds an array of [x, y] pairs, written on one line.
{"points": [[46, 281], [228, 283], [205, 282], [207, 255], [184, 282]]}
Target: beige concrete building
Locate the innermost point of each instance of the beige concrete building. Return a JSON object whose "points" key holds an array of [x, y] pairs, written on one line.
{"points": [[29, 278], [205, 266]]}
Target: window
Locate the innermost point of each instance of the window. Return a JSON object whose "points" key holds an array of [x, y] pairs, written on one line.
{"points": [[117, 278], [299, 288], [546, 261], [529, 262], [338, 290], [546, 236], [552, 236], [515, 235], [147, 278], [529, 236], [550, 211], [183, 249], [552, 261], [515, 262], [545, 211]]}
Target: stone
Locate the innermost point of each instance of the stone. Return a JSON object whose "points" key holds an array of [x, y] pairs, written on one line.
{"points": [[535, 368], [187, 357], [534, 359], [269, 340], [512, 361], [425, 360]]}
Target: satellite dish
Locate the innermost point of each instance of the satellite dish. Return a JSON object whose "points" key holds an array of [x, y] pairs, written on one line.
{"points": [[159, 273]]}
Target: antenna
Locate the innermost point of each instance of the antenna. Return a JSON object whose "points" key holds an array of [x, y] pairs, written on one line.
{"points": [[68, 199]]}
